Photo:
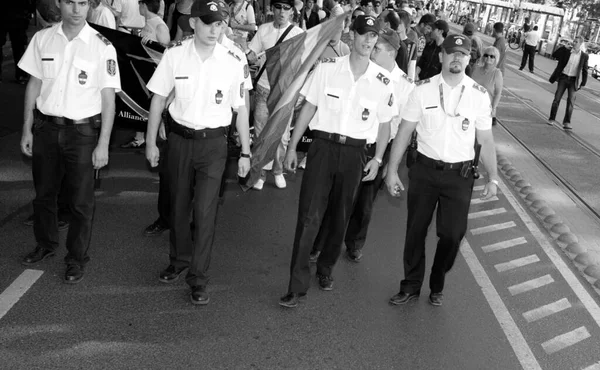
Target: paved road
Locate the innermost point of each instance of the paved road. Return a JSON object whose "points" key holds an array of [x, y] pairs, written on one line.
{"points": [[512, 301]]}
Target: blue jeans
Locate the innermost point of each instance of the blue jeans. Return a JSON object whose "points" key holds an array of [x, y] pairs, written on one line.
{"points": [[564, 83], [261, 116]]}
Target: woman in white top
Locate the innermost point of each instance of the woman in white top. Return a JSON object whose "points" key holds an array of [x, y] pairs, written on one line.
{"points": [[242, 19], [155, 29]]}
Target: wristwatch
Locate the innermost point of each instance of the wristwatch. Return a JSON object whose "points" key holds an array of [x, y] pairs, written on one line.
{"points": [[494, 181], [380, 161], [244, 155]]}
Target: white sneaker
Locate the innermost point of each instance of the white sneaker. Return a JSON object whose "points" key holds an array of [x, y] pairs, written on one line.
{"points": [[302, 164], [280, 181], [259, 184], [551, 122]]}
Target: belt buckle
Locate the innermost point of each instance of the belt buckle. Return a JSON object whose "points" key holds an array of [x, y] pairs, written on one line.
{"points": [[342, 139], [439, 165]]}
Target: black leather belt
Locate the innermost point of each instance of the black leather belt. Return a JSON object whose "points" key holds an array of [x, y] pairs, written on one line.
{"points": [[189, 133], [340, 139], [567, 76], [439, 165], [63, 121]]}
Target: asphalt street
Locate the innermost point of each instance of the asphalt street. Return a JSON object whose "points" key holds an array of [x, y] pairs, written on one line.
{"points": [[512, 301]]}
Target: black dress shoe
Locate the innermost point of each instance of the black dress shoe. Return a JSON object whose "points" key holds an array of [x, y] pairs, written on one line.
{"points": [[155, 229], [403, 298], [436, 299], [354, 255], [171, 274], [325, 282], [199, 295], [291, 300], [74, 274], [39, 254]]}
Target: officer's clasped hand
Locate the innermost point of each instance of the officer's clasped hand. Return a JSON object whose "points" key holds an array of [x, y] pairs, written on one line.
{"points": [[152, 154], [393, 183], [370, 170], [291, 160]]}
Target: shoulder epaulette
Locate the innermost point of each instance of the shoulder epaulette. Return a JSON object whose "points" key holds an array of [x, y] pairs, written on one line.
{"points": [[233, 55], [408, 78], [422, 82], [328, 60], [477, 86], [180, 42], [104, 39], [238, 46], [383, 79]]}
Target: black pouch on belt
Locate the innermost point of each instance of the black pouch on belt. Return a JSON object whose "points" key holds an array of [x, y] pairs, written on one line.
{"points": [[411, 151]]}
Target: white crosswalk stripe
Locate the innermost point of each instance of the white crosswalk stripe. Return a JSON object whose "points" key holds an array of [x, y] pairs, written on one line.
{"points": [[530, 285], [503, 245], [487, 213], [565, 340], [490, 228], [547, 310], [519, 262]]}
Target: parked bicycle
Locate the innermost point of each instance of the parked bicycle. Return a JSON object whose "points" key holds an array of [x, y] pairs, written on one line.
{"points": [[514, 40]]}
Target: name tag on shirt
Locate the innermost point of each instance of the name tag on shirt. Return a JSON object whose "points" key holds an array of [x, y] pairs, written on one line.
{"points": [[432, 107], [181, 77]]}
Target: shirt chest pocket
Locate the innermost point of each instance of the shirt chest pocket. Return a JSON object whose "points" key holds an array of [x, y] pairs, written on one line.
{"points": [[219, 95], [366, 110], [85, 73], [50, 66], [183, 87], [432, 120], [333, 98]]}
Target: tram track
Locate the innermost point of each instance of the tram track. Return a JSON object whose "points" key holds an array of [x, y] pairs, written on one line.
{"points": [[569, 189]]}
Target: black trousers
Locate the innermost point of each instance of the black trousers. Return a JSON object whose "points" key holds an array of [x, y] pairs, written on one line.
{"points": [[330, 183], [451, 194], [164, 201], [358, 225], [565, 83], [63, 155], [16, 30], [528, 53], [196, 167]]}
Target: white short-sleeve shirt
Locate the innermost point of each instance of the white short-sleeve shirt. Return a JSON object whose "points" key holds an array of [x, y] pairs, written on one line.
{"points": [[348, 107], [73, 73], [102, 16], [205, 91], [439, 136], [265, 38], [234, 48], [403, 87]]}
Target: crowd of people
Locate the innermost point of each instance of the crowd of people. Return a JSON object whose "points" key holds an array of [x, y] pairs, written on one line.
{"points": [[392, 80]]}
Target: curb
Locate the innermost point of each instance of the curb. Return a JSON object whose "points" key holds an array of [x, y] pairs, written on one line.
{"points": [[586, 263]]}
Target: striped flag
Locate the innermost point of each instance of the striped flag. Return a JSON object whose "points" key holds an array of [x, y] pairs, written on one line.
{"points": [[288, 65]]}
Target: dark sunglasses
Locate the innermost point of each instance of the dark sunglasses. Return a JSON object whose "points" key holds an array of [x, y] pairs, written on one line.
{"points": [[282, 6], [489, 56]]}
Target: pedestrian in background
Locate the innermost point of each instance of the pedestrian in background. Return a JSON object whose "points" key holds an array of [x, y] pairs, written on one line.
{"points": [[208, 81], [349, 102], [69, 98], [476, 46], [530, 44], [500, 44], [448, 111], [571, 73], [242, 20], [101, 15], [429, 65], [155, 28], [14, 21], [487, 74]]}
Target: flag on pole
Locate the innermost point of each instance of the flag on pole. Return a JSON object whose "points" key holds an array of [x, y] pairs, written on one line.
{"points": [[287, 66]]}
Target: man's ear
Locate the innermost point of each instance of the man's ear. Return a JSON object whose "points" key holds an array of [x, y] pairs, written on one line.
{"points": [[192, 23]]}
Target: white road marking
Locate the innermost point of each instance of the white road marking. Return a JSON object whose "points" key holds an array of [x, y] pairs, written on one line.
{"points": [[508, 325], [478, 187], [519, 262], [565, 340], [503, 245], [480, 201], [490, 228], [17, 289], [530, 285], [547, 310], [595, 366], [490, 212], [586, 299]]}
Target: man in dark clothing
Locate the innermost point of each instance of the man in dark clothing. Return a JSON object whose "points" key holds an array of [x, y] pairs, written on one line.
{"points": [[14, 20], [429, 64]]}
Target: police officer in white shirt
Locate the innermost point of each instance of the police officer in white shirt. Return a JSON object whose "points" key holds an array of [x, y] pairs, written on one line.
{"points": [[532, 38], [266, 37], [349, 103], [209, 81], [70, 95], [384, 54], [449, 111]]}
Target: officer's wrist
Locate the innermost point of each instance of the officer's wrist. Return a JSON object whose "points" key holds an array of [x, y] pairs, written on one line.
{"points": [[379, 161]]}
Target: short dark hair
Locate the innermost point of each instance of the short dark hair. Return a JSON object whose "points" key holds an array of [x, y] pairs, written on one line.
{"points": [[498, 27], [152, 5], [427, 19], [404, 18], [393, 19]]}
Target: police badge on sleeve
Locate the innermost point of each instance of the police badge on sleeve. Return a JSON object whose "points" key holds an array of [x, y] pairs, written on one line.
{"points": [[111, 67]]}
